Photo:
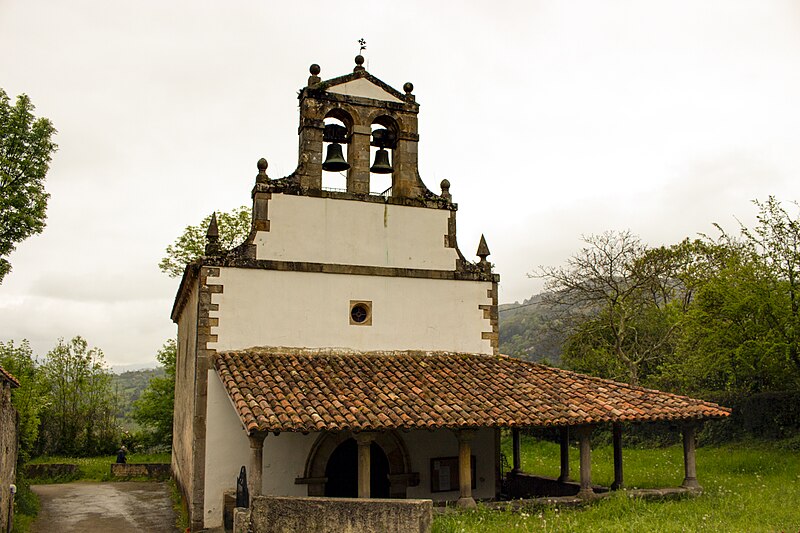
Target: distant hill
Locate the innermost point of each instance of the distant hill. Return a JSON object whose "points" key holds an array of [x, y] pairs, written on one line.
{"points": [[527, 331], [129, 386]]}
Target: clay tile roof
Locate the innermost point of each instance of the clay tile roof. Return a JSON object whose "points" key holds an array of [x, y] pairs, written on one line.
{"points": [[6, 376], [294, 390]]}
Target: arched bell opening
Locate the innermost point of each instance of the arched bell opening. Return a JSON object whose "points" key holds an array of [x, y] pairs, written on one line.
{"points": [[383, 143], [335, 137]]}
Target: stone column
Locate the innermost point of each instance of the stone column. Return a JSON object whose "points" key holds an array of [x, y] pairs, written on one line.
{"points": [[404, 177], [564, 441], [465, 468], [616, 435], [515, 450], [254, 480], [358, 157], [310, 163], [364, 441], [584, 434], [690, 481]]}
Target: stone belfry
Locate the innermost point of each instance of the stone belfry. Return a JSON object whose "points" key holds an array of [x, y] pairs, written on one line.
{"points": [[360, 101], [352, 268]]}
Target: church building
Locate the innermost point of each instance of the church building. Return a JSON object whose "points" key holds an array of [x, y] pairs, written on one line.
{"points": [[348, 348]]}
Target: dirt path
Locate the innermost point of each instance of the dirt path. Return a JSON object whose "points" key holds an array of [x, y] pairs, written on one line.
{"points": [[120, 507]]}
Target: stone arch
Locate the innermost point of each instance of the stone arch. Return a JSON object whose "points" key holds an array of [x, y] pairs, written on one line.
{"points": [[390, 442], [343, 112], [387, 119]]}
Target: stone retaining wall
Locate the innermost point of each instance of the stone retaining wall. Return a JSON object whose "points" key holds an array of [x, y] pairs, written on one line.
{"points": [[278, 514], [60, 471], [149, 470]]}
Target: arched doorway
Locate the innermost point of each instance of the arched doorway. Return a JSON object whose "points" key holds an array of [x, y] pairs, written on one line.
{"points": [[332, 458], [342, 471]]}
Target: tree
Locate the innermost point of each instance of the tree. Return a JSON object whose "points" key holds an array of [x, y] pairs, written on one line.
{"points": [[27, 398], [25, 152], [155, 406], [79, 417], [234, 227], [621, 303], [742, 335]]}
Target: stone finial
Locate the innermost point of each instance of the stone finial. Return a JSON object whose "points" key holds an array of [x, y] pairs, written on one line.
{"points": [[408, 87], [314, 78], [445, 185], [262, 171], [212, 237], [359, 63], [483, 249]]}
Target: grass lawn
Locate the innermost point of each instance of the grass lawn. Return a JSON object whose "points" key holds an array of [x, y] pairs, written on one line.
{"points": [[96, 468], [748, 487]]}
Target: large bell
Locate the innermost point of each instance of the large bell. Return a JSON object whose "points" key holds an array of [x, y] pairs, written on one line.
{"points": [[334, 160], [382, 164]]}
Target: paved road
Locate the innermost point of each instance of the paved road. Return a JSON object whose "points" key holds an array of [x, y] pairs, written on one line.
{"points": [[122, 507]]}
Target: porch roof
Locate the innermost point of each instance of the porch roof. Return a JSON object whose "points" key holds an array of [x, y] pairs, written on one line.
{"points": [[333, 390]]}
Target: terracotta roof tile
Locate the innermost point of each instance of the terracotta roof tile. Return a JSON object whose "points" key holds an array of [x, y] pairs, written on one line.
{"points": [[6, 376], [299, 391]]}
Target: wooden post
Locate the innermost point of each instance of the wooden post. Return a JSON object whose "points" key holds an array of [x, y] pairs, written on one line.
{"points": [[616, 434], [364, 441], [564, 440], [584, 433], [690, 467], [465, 468], [254, 481], [515, 450]]}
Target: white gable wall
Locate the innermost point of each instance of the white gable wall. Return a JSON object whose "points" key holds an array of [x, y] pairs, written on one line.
{"points": [[312, 310], [364, 88], [326, 230]]}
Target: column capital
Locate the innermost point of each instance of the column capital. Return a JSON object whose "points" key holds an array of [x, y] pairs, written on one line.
{"points": [[365, 438], [256, 439], [464, 435]]}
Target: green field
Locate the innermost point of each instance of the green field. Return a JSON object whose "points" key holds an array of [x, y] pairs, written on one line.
{"points": [[747, 488]]}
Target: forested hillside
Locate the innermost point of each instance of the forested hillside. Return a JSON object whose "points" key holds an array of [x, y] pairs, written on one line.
{"points": [[530, 330], [128, 386]]}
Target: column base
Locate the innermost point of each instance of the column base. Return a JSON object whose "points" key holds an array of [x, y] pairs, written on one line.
{"points": [[586, 494], [564, 479], [466, 503], [617, 486], [691, 483]]}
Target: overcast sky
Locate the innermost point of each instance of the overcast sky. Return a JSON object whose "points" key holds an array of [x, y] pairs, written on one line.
{"points": [[550, 119]]}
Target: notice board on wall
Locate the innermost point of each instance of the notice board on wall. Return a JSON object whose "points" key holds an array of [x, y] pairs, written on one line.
{"points": [[444, 473]]}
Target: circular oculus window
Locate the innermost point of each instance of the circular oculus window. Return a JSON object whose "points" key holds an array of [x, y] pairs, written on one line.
{"points": [[359, 313]]}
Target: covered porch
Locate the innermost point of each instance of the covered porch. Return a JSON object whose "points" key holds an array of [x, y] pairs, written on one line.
{"points": [[578, 482], [445, 402]]}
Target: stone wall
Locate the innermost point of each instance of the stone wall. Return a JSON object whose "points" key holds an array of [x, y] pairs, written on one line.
{"points": [[8, 452], [149, 470], [273, 514]]}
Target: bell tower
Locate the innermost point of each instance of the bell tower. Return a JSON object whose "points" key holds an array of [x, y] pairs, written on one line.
{"points": [[372, 114]]}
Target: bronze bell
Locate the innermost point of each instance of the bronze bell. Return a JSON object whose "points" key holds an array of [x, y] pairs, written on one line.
{"points": [[382, 164], [334, 160]]}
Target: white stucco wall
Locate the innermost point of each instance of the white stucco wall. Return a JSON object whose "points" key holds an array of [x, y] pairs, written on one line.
{"points": [[284, 461], [227, 450], [325, 230], [302, 309], [426, 445]]}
